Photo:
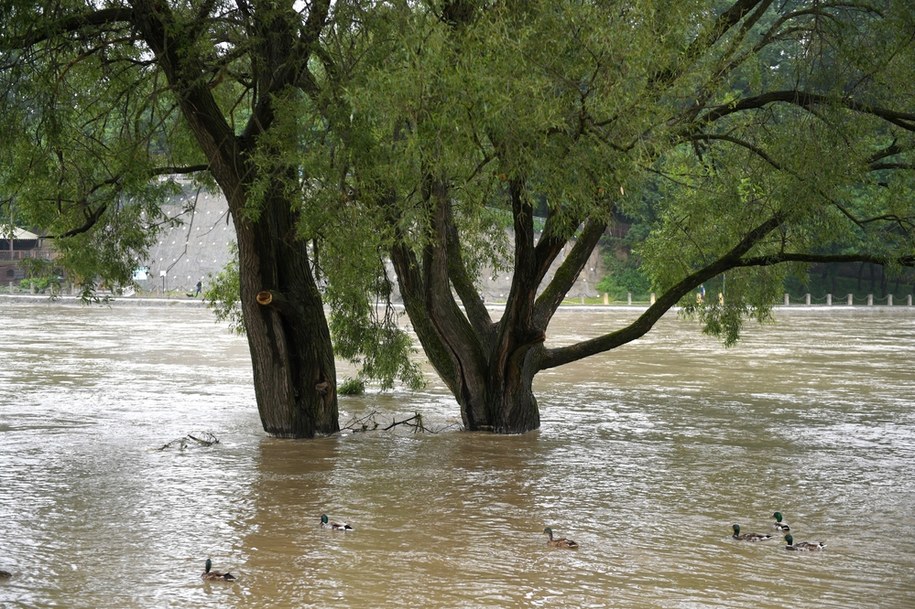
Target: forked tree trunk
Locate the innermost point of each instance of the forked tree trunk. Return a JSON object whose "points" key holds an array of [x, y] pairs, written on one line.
{"points": [[488, 366], [513, 407], [489, 373], [499, 396], [501, 400]]}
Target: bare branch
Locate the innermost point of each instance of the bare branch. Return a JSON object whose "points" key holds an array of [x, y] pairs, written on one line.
{"points": [[206, 439]]}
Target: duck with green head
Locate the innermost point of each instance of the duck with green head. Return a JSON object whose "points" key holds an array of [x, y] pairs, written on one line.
{"points": [[781, 526], [749, 536], [209, 575], [803, 546], [336, 526], [559, 542]]}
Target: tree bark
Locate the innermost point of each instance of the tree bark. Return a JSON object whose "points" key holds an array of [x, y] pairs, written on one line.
{"points": [[489, 367], [291, 352]]}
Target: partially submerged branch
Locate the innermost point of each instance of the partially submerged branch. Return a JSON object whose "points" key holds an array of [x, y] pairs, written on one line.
{"points": [[370, 422], [205, 439]]}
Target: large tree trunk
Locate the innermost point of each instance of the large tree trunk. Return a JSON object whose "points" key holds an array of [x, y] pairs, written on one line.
{"points": [[504, 404], [291, 352], [511, 404], [491, 380]]}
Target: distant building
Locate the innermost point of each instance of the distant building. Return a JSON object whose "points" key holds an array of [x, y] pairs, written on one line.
{"points": [[19, 245]]}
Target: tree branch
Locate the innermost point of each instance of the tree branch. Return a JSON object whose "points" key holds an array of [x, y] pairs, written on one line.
{"points": [[706, 39], [808, 101], [771, 259], [551, 297], [92, 218], [70, 23], [463, 284], [743, 143], [638, 328], [179, 170]]}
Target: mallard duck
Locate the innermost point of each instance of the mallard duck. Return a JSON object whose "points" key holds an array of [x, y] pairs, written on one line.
{"points": [[781, 526], [559, 542], [803, 546], [208, 575], [749, 536], [336, 526]]}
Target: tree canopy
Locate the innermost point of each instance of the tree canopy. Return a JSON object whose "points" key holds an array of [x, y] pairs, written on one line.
{"points": [[754, 136], [103, 97]]}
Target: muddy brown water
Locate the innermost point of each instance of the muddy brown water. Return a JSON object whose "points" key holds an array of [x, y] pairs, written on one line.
{"points": [[646, 457]]}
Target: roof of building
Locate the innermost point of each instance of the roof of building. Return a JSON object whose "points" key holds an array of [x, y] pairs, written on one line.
{"points": [[21, 233]]}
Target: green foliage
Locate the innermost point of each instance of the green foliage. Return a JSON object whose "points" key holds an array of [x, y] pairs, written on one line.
{"points": [[223, 294], [744, 293], [412, 127], [83, 134], [623, 278], [706, 129], [351, 386], [369, 336], [41, 276]]}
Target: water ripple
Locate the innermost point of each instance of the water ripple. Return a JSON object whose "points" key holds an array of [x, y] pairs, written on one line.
{"points": [[645, 457]]}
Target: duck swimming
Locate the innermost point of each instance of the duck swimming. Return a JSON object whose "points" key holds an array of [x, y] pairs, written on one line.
{"points": [[559, 542], [781, 526], [336, 526], [749, 536], [803, 546], [209, 575]]}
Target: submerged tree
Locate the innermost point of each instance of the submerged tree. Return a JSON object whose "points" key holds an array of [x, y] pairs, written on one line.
{"points": [[103, 96], [781, 132]]}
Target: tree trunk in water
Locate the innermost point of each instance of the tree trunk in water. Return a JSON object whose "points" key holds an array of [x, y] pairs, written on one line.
{"points": [[489, 367], [513, 407], [291, 352], [501, 399]]}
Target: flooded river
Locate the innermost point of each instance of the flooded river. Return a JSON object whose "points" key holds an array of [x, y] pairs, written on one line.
{"points": [[646, 457]]}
